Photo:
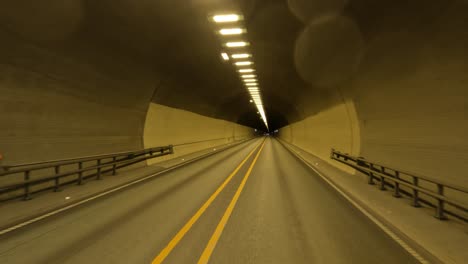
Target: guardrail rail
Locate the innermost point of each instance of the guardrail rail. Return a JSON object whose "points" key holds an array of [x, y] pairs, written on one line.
{"points": [[21, 176], [396, 178]]}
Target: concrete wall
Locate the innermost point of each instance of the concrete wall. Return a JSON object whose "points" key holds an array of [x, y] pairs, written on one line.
{"points": [[187, 131], [335, 127], [67, 104], [410, 97]]}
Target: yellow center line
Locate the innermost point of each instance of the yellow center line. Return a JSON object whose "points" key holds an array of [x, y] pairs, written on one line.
{"points": [[205, 257], [175, 240]]}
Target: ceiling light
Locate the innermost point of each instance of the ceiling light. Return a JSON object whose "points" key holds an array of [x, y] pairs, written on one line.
{"points": [[251, 101], [251, 84], [246, 70], [244, 63], [248, 76], [237, 44], [250, 80], [226, 18], [240, 56], [225, 56], [231, 31]]}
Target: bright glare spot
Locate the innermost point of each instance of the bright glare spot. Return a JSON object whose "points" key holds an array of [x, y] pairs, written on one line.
{"points": [[226, 18], [231, 31], [240, 56], [237, 44], [251, 101], [225, 56], [246, 70], [244, 63], [67, 198]]}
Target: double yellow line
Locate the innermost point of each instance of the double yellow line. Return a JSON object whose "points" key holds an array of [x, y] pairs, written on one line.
{"points": [[222, 223]]}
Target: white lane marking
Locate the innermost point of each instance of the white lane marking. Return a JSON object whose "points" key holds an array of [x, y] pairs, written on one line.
{"points": [[390, 233], [57, 211]]}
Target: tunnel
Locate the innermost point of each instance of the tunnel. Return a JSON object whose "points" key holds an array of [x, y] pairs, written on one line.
{"points": [[336, 105]]}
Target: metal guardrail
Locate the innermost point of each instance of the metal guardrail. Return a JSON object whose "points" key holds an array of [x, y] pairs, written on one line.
{"points": [[397, 178], [100, 164]]}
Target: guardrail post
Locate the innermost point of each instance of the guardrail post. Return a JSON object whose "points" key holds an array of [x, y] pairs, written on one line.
{"points": [[80, 173], [415, 193], [98, 173], [440, 203], [382, 179], [27, 195], [397, 194], [114, 166], [57, 179], [171, 148], [371, 175]]}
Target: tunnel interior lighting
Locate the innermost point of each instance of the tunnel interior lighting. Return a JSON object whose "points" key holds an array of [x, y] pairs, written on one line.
{"points": [[240, 56], [226, 18], [225, 56], [231, 31], [243, 63], [236, 44], [246, 76]]}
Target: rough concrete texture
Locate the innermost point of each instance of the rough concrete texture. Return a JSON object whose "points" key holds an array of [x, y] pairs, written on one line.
{"points": [[188, 132], [410, 98]]}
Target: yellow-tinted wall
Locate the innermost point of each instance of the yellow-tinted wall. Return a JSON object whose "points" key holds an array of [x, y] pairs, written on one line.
{"points": [[187, 131]]}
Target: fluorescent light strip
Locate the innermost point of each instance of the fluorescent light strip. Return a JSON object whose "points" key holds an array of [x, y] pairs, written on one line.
{"points": [[248, 76], [225, 56], [236, 44], [231, 31], [243, 63], [226, 18], [251, 84], [250, 80], [246, 70], [240, 56]]}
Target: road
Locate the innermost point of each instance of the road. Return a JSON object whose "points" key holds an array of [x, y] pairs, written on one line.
{"points": [[253, 203]]}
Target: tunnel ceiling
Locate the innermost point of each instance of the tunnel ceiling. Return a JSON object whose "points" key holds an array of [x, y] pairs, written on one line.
{"points": [[178, 42]]}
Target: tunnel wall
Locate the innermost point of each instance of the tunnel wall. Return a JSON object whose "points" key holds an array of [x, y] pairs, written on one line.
{"points": [[63, 104], [410, 95], [335, 127], [188, 132], [79, 100]]}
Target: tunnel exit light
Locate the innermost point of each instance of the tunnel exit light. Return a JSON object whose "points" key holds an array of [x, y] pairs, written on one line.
{"points": [[226, 18]]}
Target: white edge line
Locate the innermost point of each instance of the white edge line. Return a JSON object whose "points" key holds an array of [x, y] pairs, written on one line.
{"points": [[390, 233], [57, 211]]}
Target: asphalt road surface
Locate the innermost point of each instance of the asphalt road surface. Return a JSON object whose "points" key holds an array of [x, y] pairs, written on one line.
{"points": [[253, 203]]}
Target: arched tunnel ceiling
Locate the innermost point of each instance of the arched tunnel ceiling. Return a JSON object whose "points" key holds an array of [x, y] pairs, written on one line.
{"points": [[176, 41]]}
